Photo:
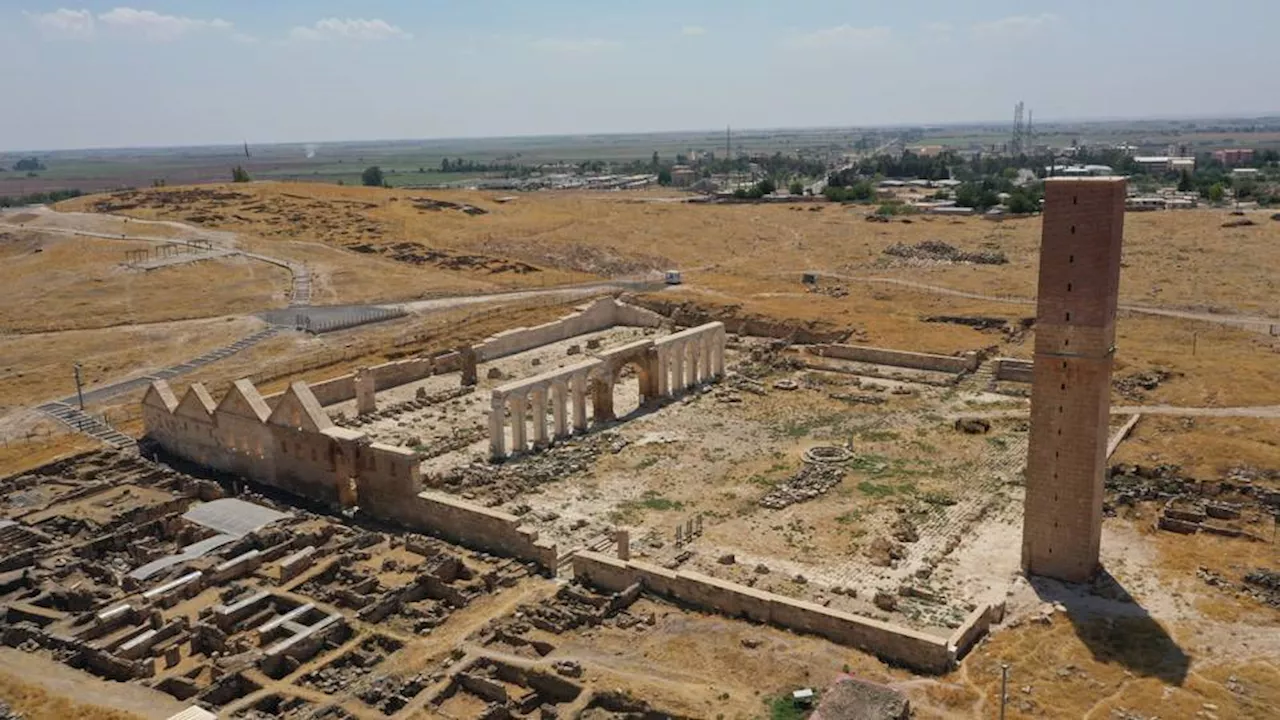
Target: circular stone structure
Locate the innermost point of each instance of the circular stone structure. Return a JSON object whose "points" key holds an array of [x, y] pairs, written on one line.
{"points": [[827, 454]]}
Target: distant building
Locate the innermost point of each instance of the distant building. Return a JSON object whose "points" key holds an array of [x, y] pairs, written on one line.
{"points": [[1165, 163], [927, 150], [683, 176], [1232, 157], [1245, 172], [1078, 170]]}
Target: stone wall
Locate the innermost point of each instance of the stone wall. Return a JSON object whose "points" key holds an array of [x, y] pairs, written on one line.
{"points": [[472, 526], [899, 358], [892, 643], [974, 627], [1013, 370], [387, 375], [602, 314]]}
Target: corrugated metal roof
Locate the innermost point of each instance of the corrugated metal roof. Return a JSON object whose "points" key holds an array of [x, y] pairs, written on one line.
{"points": [[194, 713]]}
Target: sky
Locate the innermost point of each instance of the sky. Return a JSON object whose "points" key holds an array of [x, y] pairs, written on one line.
{"points": [[167, 73]]}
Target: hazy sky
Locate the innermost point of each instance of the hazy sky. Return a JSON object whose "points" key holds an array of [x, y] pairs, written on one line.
{"points": [[101, 74]]}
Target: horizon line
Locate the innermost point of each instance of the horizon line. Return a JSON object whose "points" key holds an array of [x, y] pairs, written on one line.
{"points": [[1269, 115]]}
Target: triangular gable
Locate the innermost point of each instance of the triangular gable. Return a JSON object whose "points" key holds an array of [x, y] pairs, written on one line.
{"points": [[299, 408], [196, 404], [160, 395], [244, 400]]}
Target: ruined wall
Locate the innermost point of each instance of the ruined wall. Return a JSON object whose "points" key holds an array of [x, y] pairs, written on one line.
{"points": [[974, 627], [890, 642], [334, 390], [400, 372], [387, 375], [473, 526], [599, 315], [899, 358], [1013, 370]]}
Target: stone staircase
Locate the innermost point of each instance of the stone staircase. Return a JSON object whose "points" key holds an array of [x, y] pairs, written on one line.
{"points": [[215, 354], [77, 420]]}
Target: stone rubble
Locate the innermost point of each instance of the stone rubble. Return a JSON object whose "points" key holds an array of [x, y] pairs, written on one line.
{"points": [[810, 482]]}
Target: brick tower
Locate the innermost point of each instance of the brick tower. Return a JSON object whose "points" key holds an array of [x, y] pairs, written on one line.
{"points": [[1071, 386]]}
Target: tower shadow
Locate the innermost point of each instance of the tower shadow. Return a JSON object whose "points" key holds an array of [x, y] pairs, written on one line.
{"points": [[1115, 628]]}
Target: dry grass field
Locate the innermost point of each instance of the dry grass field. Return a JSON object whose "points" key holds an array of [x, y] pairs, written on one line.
{"points": [[58, 282], [37, 368], [1166, 254]]}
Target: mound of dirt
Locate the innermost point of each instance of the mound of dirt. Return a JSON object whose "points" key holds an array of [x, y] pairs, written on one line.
{"points": [[689, 313], [938, 251]]}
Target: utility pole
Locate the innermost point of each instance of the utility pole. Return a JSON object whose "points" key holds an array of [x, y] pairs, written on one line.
{"points": [[1004, 687], [79, 388], [728, 158]]}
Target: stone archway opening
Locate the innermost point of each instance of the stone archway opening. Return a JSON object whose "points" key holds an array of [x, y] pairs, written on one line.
{"points": [[628, 386]]}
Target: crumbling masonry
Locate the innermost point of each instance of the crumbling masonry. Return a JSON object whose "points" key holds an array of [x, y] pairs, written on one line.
{"points": [[1071, 390]]}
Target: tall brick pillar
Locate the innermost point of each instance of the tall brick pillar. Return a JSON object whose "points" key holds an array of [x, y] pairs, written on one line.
{"points": [[1071, 386]]}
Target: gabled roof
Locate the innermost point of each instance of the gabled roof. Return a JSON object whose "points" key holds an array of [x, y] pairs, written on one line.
{"points": [[160, 395], [299, 408], [244, 400], [197, 404]]}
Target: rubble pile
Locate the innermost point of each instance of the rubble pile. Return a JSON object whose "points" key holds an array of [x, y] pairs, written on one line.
{"points": [[7, 713], [498, 484], [764, 360], [810, 482], [1264, 584], [936, 251], [1136, 385], [390, 694], [422, 402]]}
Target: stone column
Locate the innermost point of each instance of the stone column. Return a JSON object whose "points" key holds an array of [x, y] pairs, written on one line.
{"points": [[663, 373], [517, 403], [677, 368], [579, 392], [557, 408], [717, 353], [366, 401], [602, 391], [539, 409], [497, 427], [467, 359], [695, 356], [624, 544], [708, 370]]}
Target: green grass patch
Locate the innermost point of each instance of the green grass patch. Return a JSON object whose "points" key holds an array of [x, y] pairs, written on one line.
{"points": [[647, 462], [783, 707], [877, 435], [850, 517]]}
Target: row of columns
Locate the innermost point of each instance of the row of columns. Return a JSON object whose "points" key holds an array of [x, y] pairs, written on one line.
{"points": [[668, 367], [684, 362], [567, 398]]}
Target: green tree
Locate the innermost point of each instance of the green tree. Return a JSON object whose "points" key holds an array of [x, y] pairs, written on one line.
{"points": [[654, 163], [796, 187], [1216, 193], [444, 165], [372, 176], [1020, 203], [239, 174], [664, 176], [767, 186], [1185, 183], [29, 164]]}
